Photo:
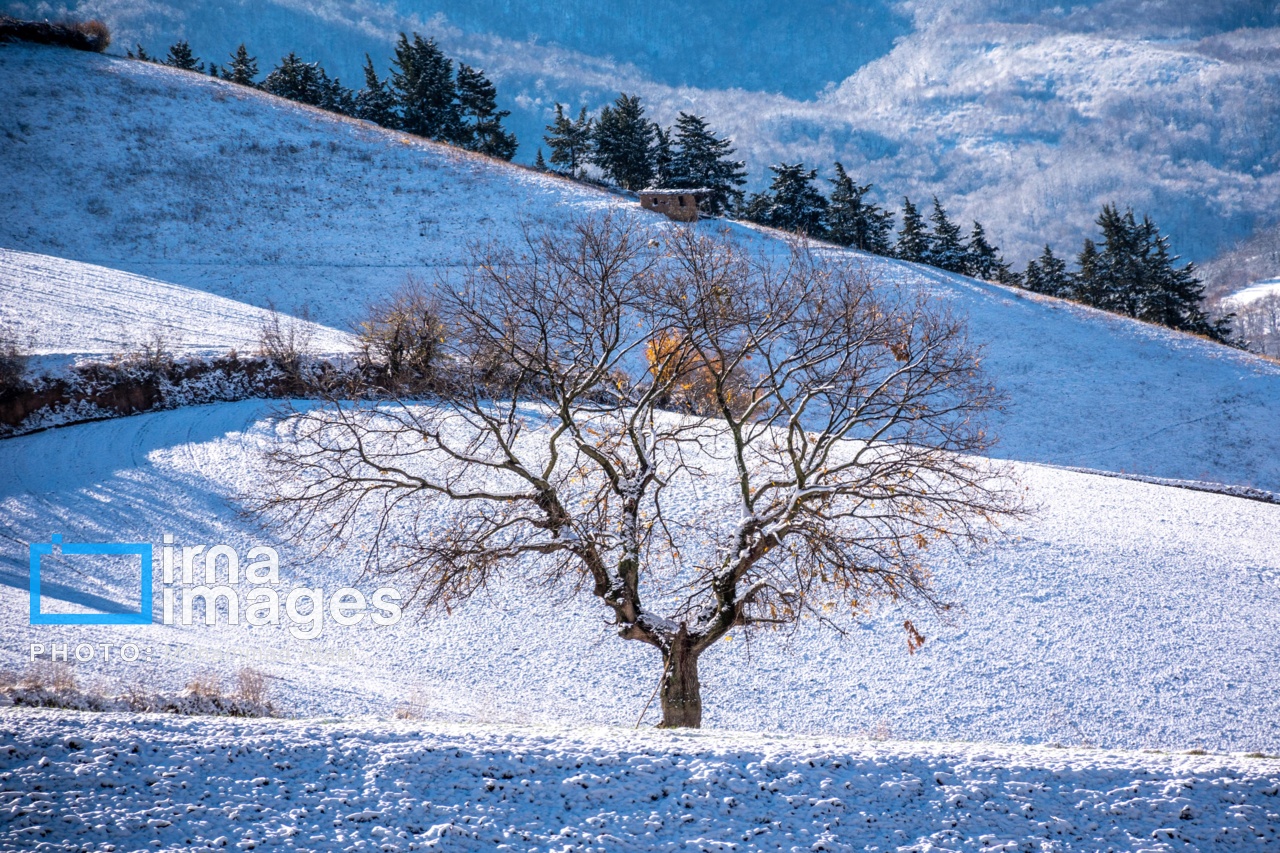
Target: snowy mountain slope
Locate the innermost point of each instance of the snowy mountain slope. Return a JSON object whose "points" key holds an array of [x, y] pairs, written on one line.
{"points": [[401, 786], [220, 189], [1254, 292], [1123, 614], [1025, 115], [67, 308]]}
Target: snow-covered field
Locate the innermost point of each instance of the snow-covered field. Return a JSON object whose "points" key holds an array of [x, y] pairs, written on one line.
{"points": [[1124, 614], [70, 779], [57, 307], [1252, 293]]}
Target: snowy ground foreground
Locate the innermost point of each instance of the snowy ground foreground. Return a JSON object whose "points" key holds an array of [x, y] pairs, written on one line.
{"points": [[61, 307], [199, 784], [213, 187], [1125, 614]]}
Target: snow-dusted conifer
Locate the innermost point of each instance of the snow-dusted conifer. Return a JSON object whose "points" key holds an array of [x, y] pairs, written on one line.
{"points": [[569, 141], [180, 56], [854, 221], [792, 202], [243, 67], [375, 102], [624, 142], [1047, 274], [913, 236], [946, 250], [700, 159], [481, 120], [422, 81]]}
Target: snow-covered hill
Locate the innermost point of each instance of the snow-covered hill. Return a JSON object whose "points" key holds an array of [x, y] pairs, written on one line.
{"points": [[1025, 115], [216, 188], [200, 784], [1121, 614], [56, 307]]}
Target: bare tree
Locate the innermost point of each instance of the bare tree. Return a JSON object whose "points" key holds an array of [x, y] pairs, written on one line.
{"points": [[1257, 324], [830, 420]]}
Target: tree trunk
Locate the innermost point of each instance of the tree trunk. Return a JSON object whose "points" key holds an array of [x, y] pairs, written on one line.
{"points": [[681, 692]]}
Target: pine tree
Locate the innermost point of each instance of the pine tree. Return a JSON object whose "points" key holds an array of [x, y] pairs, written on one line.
{"points": [[422, 81], [375, 102], [539, 163], [1086, 283], [481, 120], [180, 56], [1121, 262], [984, 259], [792, 203], [1175, 295], [854, 221], [1047, 274], [946, 250], [213, 70], [569, 141], [701, 160], [662, 158], [624, 141], [140, 54], [294, 79], [243, 67], [333, 96], [913, 237]]}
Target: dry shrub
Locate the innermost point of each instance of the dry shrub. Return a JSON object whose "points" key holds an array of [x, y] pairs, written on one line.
{"points": [[151, 354], [286, 342], [402, 336], [81, 35], [251, 686], [13, 360], [204, 685], [97, 32], [48, 675]]}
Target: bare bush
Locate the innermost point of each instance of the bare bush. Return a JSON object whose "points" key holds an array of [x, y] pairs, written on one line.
{"points": [[153, 353], [204, 685], [251, 686], [832, 422], [92, 35], [286, 343], [402, 336], [14, 358]]}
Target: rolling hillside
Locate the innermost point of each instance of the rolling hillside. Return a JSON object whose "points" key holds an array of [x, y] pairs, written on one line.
{"points": [[216, 188], [1123, 613], [1027, 115]]}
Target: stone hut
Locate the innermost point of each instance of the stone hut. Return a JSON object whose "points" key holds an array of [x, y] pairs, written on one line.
{"points": [[680, 205]]}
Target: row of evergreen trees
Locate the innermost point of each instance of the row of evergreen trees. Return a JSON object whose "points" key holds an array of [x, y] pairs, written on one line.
{"points": [[1129, 270], [849, 217], [422, 95], [635, 153]]}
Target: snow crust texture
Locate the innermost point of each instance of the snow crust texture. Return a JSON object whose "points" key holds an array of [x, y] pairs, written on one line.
{"points": [[61, 307], [200, 784]]}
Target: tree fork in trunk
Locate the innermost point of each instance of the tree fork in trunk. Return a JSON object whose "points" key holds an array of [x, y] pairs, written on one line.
{"points": [[681, 691]]}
